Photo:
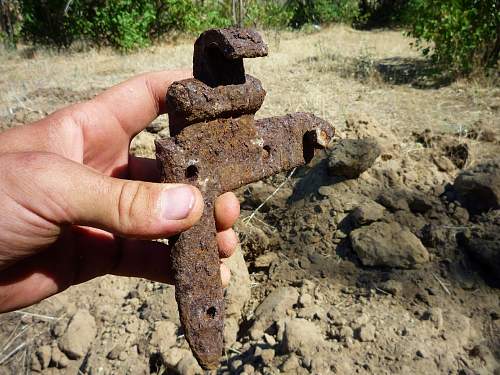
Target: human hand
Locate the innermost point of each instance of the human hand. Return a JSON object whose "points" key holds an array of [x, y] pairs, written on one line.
{"points": [[74, 204]]}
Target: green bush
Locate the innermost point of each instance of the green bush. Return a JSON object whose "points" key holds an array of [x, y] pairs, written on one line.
{"points": [[322, 11], [460, 35], [129, 24], [123, 24], [380, 13], [268, 14]]}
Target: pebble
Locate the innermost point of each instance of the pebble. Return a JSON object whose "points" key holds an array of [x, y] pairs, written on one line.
{"points": [[366, 333], [43, 354], [302, 336], [79, 335], [269, 339], [277, 303], [291, 363], [256, 333], [306, 300], [236, 364], [346, 332], [188, 366], [435, 315], [115, 352], [248, 369], [58, 358], [392, 286], [368, 213], [267, 356], [173, 356]]}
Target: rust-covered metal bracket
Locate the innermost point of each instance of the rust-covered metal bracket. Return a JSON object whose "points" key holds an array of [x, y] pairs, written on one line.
{"points": [[218, 146]]}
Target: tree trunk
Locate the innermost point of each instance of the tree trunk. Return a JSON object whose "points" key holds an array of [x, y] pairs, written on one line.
{"points": [[7, 19]]}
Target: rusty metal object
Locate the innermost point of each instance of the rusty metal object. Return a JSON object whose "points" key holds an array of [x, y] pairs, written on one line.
{"points": [[218, 146]]}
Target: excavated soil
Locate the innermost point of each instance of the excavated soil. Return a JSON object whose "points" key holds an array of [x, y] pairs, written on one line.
{"points": [[394, 271]]}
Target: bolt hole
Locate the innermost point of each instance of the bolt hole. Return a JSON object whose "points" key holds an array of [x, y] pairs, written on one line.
{"points": [[211, 311], [192, 172], [267, 151]]}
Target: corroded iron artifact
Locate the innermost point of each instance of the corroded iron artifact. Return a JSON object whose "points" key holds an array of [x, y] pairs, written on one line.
{"points": [[217, 145]]}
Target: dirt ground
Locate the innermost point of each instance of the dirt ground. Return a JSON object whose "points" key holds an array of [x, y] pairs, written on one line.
{"points": [[394, 271]]}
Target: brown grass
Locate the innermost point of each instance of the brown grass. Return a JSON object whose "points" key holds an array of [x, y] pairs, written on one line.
{"points": [[332, 73]]}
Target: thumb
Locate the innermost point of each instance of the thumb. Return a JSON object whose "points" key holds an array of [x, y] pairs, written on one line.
{"points": [[62, 191]]}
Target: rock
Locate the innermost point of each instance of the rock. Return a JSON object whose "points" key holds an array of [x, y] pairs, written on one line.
{"points": [[345, 333], [164, 335], [486, 250], [478, 189], [188, 366], [267, 356], [392, 286], [256, 333], [302, 336], [443, 163], [269, 339], [58, 328], [435, 315], [35, 365], [362, 125], [248, 369], [43, 353], [306, 300], [275, 306], [58, 358], [173, 356], [368, 213], [314, 312], [115, 352], [388, 245], [393, 201], [351, 157], [420, 204], [265, 260], [366, 333], [237, 293], [155, 127], [79, 335], [235, 365], [292, 363]]}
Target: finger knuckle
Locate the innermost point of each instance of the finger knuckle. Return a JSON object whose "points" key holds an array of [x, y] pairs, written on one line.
{"points": [[134, 204]]}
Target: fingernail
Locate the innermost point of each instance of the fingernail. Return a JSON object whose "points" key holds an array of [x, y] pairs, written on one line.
{"points": [[177, 202]]}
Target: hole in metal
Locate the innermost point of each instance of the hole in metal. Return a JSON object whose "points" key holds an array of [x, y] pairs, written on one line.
{"points": [[192, 172], [211, 311], [267, 151]]}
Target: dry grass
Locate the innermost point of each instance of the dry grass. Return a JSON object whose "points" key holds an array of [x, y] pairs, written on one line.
{"points": [[332, 73]]}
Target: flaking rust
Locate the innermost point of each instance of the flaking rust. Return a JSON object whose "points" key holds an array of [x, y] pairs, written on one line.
{"points": [[218, 146]]}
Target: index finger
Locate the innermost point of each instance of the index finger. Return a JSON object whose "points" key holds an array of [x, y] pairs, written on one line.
{"points": [[138, 101]]}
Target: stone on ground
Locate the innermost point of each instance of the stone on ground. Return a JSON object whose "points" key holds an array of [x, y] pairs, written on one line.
{"points": [[275, 306], [368, 213], [351, 157], [302, 336], [478, 189], [388, 245], [79, 335]]}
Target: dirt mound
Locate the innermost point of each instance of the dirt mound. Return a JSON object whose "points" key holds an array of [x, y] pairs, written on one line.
{"points": [[352, 236]]}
